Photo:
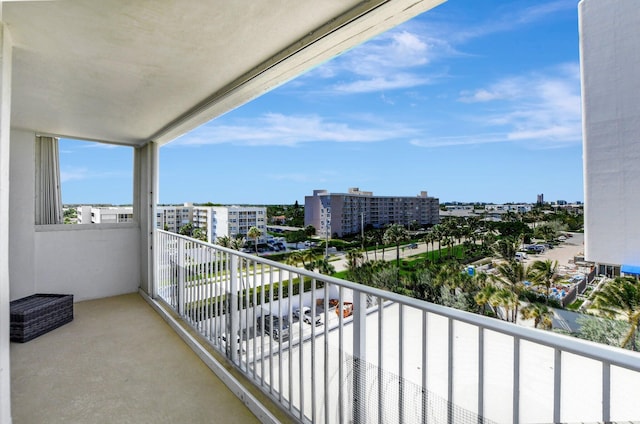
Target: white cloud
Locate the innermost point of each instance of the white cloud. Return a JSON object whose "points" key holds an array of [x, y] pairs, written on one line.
{"points": [[290, 130], [541, 109], [381, 83], [81, 174], [73, 174], [401, 58]]}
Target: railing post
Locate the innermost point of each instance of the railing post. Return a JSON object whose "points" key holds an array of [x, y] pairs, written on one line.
{"points": [[359, 357], [232, 311], [181, 279]]}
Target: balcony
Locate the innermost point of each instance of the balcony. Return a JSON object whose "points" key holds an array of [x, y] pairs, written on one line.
{"points": [[385, 358], [118, 361]]}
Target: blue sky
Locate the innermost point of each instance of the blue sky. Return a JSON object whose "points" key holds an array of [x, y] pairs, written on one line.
{"points": [[472, 101]]}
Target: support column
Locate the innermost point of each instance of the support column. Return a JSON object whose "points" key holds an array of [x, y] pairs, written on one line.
{"points": [[5, 127], [145, 198]]}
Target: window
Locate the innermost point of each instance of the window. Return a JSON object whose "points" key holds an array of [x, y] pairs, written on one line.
{"points": [[95, 174]]}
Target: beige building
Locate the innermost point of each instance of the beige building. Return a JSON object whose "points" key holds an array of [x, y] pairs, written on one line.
{"points": [[348, 213]]}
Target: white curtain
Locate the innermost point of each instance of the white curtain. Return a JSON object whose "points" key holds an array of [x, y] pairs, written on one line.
{"points": [[48, 195]]}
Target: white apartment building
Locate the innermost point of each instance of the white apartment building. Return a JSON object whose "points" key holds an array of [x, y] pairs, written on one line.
{"points": [[610, 66], [348, 213], [519, 208], [230, 221], [104, 215], [171, 218]]}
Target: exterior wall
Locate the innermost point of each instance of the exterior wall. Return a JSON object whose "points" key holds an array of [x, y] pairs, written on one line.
{"points": [[88, 261], [174, 217], [610, 65], [233, 221], [203, 217]]}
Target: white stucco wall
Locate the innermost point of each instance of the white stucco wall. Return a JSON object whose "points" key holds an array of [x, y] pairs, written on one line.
{"points": [[610, 64], [22, 215], [88, 261]]}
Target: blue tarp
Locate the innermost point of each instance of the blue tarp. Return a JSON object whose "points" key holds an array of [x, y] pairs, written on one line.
{"points": [[631, 269]]}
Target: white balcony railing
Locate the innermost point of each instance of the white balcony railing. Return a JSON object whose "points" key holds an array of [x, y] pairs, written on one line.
{"points": [[386, 358]]}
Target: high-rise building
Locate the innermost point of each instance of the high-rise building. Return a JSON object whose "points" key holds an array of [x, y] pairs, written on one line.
{"points": [[349, 213], [540, 199], [610, 65]]}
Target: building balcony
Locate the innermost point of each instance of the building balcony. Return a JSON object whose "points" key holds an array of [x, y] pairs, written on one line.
{"points": [[119, 361]]}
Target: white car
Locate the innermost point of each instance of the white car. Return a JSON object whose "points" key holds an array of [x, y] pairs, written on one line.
{"points": [[305, 312]]}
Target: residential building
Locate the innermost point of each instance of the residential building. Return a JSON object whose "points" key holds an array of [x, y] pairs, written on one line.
{"points": [[230, 221], [515, 208], [349, 213], [540, 199], [610, 65], [172, 218], [104, 215]]}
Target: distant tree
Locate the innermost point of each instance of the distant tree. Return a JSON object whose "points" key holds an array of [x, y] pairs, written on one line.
{"points": [[295, 237], [544, 273], [199, 234], [601, 330], [506, 248], [324, 267], [621, 297], [238, 242], [539, 313], [310, 230], [224, 241], [396, 234], [254, 233], [186, 229]]}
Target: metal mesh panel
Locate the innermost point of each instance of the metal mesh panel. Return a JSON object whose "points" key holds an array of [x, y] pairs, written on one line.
{"points": [[379, 396]]}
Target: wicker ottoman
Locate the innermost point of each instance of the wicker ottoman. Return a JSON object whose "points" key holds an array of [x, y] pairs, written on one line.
{"points": [[34, 315]]}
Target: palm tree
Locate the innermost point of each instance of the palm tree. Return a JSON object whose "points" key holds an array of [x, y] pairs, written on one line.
{"points": [[427, 239], [324, 267], [396, 234], [621, 297], [238, 242], [254, 233], [511, 275], [544, 273], [438, 234], [354, 259], [508, 300], [541, 314], [294, 258], [506, 248], [483, 297], [224, 241]]}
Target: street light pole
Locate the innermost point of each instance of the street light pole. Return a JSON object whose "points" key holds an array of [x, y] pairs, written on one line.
{"points": [[362, 229], [326, 234]]}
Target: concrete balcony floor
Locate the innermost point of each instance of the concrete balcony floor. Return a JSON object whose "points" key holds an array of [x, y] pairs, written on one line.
{"points": [[117, 362]]}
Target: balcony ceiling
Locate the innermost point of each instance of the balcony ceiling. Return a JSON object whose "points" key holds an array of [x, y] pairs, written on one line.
{"points": [[133, 71]]}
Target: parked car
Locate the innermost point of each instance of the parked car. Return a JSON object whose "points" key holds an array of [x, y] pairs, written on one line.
{"points": [[305, 313], [413, 246], [520, 256], [274, 326], [536, 248]]}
